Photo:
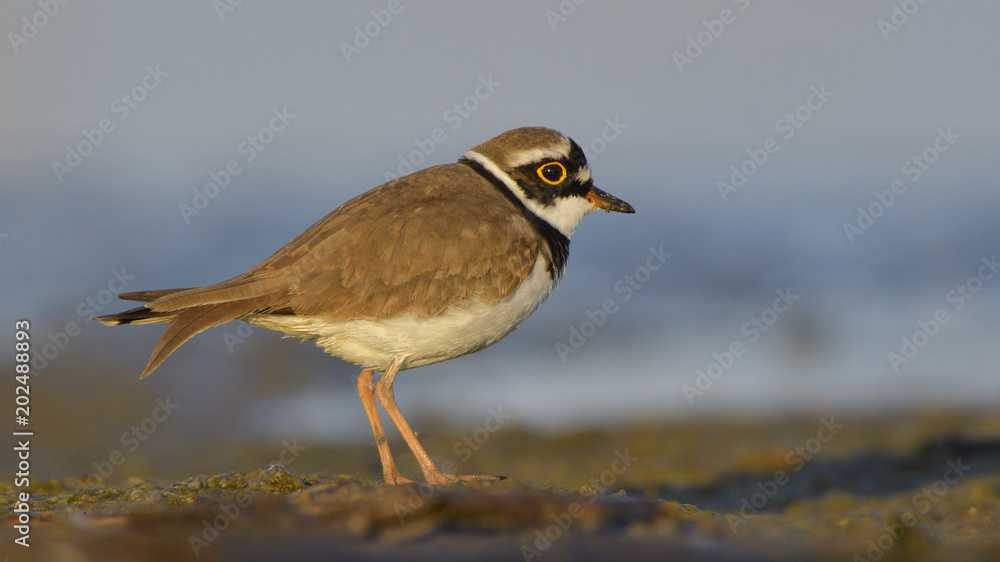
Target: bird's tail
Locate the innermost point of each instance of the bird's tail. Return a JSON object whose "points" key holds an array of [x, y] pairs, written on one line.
{"points": [[189, 311]]}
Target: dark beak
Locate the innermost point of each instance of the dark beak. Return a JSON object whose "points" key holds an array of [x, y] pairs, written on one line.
{"points": [[604, 200]]}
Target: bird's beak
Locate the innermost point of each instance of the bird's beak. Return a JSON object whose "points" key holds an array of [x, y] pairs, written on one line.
{"points": [[604, 200]]}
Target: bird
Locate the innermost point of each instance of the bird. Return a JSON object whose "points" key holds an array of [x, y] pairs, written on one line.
{"points": [[430, 266]]}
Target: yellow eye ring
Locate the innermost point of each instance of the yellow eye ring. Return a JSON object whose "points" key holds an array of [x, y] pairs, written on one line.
{"points": [[552, 173]]}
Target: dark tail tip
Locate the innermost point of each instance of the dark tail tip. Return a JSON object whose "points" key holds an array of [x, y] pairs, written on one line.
{"points": [[139, 315]]}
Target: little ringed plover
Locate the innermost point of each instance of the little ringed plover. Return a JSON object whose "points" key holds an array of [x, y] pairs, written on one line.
{"points": [[427, 267]]}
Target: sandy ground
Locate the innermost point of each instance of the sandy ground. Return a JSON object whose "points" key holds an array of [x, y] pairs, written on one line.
{"points": [[907, 486]]}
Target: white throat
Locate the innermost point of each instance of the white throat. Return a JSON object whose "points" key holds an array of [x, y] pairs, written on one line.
{"points": [[564, 214]]}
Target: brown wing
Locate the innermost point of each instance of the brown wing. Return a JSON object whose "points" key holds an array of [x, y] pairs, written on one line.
{"points": [[440, 237]]}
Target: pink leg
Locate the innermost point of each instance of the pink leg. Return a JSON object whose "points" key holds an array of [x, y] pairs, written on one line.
{"points": [[366, 390], [387, 397]]}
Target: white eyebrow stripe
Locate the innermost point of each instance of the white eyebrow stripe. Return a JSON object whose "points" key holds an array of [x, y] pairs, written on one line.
{"points": [[530, 155]]}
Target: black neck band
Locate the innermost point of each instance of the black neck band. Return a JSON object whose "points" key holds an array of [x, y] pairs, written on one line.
{"points": [[557, 242]]}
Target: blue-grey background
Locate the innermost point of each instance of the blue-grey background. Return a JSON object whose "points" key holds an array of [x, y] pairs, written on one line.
{"points": [[897, 73]]}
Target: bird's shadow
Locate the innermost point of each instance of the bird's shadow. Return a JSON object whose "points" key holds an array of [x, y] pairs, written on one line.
{"points": [[866, 474]]}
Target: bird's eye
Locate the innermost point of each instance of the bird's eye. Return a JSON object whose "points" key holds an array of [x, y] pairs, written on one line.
{"points": [[552, 173]]}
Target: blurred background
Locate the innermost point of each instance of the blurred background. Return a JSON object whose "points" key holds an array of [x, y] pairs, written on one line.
{"points": [[840, 155]]}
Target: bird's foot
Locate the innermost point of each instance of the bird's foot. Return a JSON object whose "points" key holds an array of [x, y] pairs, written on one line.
{"points": [[396, 479]]}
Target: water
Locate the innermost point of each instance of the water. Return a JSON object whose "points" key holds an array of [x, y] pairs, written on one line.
{"points": [[666, 350]]}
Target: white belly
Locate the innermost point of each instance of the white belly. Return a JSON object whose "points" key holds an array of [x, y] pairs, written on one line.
{"points": [[374, 343]]}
